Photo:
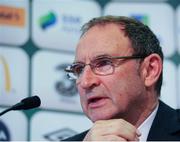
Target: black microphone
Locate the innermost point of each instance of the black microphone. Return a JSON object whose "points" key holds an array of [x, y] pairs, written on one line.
{"points": [[27, 103]]}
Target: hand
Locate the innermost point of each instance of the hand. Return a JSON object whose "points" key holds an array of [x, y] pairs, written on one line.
{"points": [[112, 130]]}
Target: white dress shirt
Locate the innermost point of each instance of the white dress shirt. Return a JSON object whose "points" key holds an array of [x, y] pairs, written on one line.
{"points": [[144, 128]]}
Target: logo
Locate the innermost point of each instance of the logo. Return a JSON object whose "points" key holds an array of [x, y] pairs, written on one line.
{"points": [[142, 18], [4, 132], [6, 74], [47, 20], [60, 134], [69, 19], [71, 23], [65, 87], [12, 16]]}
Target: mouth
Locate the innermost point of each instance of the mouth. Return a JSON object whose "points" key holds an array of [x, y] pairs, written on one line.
{"points": [[96, 102]]}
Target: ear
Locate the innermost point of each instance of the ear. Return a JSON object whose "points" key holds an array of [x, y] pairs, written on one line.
{"points": [[151, 69]]}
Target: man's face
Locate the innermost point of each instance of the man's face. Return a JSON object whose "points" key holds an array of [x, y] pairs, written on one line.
{"points": [[117, 95]]}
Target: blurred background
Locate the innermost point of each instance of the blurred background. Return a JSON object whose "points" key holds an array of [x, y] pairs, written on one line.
{"points": [[37, 41]]}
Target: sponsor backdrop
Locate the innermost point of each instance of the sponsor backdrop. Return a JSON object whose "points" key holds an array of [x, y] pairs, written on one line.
{"points": [[38, 39]]}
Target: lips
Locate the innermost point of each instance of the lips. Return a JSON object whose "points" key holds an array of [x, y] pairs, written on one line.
{"points": [[96, 102]]}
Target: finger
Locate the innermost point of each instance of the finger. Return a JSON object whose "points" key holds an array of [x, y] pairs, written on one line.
{"points": [[105, 138], [112, 138], [117, 127]]}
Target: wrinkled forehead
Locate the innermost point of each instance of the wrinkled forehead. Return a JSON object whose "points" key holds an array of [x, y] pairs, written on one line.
{"points": [[99, 40]]}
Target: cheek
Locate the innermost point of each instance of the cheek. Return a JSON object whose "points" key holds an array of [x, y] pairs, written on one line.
{"points": [[82, 96], [123, 86]]}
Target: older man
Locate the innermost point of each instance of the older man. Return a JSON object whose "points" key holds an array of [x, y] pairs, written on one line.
{"points": [[118, 72]]}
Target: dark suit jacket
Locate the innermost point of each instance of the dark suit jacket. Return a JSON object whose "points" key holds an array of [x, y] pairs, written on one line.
{"points": [[165, 127]]}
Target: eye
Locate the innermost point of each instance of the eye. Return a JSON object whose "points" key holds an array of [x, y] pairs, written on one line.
{"points": [[103, 62], [103, 66], [77, 68]]}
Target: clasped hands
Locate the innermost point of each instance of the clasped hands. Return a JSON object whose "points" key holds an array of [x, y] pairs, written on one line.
{"points": [[112, 130]]}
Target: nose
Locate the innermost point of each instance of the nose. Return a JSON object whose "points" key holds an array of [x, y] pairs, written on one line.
{"points": [[88, 79]]}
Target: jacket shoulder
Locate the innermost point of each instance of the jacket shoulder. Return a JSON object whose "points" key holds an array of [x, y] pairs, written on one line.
{"points": [[166, 124]]}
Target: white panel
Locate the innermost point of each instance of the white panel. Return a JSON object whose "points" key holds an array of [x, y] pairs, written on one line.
{"points": [[178, 26], [14, 71], [56, 23], [158, 16], [13, 126], [14, 22], [56, 126], [169, 89], [50, 82]]}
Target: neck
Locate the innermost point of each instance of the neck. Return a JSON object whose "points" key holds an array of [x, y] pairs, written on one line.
{"points": [[145, 114], [142, 111]]}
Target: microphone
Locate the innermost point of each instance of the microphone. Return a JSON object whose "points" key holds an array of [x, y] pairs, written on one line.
{"points": [[27, 103]]}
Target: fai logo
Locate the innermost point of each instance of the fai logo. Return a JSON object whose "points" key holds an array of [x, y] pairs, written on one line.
{"points": [[65, 87], [4, 132]]}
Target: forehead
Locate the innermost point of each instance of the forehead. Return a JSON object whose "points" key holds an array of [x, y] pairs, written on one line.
{"points": [[103, 39]]}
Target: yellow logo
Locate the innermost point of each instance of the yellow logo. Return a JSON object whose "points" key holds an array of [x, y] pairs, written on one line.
{"points": [[12, 16], [6, 74]]}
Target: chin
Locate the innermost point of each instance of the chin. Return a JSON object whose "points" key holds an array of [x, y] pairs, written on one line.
{"points": [[97, 117], [104, 113]]}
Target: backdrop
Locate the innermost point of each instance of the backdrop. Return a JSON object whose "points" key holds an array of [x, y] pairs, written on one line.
{"points": [[38, 39]]}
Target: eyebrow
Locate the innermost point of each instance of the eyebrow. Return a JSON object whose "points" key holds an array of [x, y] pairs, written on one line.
{"points": [[101, 56], [95, 57]]}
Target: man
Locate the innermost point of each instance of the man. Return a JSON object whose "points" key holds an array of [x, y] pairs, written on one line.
{"points": [[118, 72]]}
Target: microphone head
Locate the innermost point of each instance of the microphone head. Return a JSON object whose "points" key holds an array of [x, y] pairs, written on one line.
{"points": [[31, 102], [27, 103]]}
